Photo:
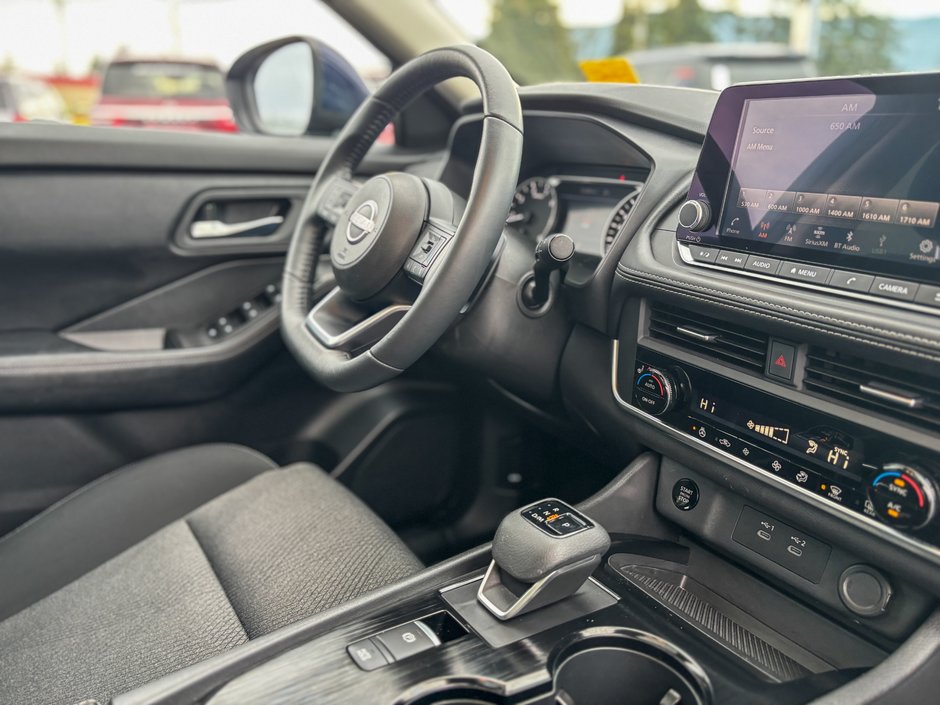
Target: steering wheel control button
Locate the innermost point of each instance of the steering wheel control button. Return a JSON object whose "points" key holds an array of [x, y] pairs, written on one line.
{"points": [[762, 265], [851, 281], [781, 361], [783, 544], [864, 591], [407, 640], [556, 518], [367, 655], [695, 215], [894, 289], [805, 272], [735, 260], [685, 494], [430, 244]]}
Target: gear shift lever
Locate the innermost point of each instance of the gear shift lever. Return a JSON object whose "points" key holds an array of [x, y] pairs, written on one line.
{"points": [[541, 554]]}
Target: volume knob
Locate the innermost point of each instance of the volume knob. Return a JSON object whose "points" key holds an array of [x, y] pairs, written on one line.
{"points": [[695, 215]]}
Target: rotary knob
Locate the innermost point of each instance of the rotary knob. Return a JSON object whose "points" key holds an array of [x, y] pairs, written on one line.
{"points": [[695, 215], [655, 391], [902, 496]]}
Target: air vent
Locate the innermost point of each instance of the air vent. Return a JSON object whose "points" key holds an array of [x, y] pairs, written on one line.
{"points": [[710, 337], [896, 393]]}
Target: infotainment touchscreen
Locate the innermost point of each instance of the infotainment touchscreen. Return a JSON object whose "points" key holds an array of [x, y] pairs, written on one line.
{"points": [[856, 175], [838, 172]]}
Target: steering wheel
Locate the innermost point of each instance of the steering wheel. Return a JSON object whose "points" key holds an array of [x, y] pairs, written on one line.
{"points": [[406, 252]]}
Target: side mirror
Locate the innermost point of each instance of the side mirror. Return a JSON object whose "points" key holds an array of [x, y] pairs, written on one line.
{"points": [[293, 86]]}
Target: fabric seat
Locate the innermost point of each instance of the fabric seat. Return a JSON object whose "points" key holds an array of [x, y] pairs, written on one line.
{"points": [[174, 559]]}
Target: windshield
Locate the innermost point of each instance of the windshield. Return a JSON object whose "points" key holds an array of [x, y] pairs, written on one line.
{"points": [[702, 43]]}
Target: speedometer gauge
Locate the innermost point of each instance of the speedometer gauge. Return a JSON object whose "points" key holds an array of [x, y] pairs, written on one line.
{"points": [[618, 219], [534, 208]]}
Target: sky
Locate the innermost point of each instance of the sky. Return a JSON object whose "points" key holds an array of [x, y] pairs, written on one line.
{"points": [[215, 29], [32, 38], [473, 15]]}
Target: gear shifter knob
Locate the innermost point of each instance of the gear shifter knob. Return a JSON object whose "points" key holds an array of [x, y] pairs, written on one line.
{"points": [[541, 554]]}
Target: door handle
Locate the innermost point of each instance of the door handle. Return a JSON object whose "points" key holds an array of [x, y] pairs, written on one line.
{"points": [[205, 229]]}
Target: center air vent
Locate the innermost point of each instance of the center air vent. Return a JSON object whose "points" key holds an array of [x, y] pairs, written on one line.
{"points": [[710, 337], [896, 393]]}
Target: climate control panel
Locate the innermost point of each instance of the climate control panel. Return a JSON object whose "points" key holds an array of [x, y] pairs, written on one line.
{"points": [[859, 469]]}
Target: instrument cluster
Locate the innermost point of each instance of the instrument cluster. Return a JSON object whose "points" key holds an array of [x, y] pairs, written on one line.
{"points": [[592, 210]]}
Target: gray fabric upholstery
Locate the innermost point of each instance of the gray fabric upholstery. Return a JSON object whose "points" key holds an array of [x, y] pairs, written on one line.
{"points": [[292, 543], [113, 513], [155, 608], [274, 549]]}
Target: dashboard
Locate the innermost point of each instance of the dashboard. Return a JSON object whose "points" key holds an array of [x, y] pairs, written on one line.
{"points": [[759, 307], [591, 208]]}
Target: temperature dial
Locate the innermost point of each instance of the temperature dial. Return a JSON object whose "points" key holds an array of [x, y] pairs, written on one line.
{"points": [[902, 496], [655, 391]]}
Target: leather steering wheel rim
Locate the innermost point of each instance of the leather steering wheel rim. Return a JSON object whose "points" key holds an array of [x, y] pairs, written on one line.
{"points": [[469, 253]]}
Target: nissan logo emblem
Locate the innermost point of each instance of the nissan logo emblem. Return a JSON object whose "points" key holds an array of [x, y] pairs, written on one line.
{"points": [[361, 222]]}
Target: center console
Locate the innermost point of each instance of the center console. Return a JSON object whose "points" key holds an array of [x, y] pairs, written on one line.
{"points": [[597, 636]]}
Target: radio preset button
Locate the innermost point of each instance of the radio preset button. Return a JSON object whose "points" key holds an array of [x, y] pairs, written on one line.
{"points": [[851, 281], [735, 260], [894, 289], [764, 265], [804, 272]]}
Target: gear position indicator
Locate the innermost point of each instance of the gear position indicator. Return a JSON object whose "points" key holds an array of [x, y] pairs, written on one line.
{"points": [[556, 518]]}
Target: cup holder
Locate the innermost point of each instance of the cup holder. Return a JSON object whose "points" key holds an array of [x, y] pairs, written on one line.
{"points": [[626, 667], [599, 666]]}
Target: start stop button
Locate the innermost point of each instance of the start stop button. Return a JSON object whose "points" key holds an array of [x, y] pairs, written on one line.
{"points": [[685, 494]]}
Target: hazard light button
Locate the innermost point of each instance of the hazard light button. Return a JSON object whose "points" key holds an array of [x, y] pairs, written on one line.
{"points": [[781, 360]]}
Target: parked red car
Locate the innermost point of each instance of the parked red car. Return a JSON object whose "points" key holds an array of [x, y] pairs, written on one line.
{"points": [[168, 94]]}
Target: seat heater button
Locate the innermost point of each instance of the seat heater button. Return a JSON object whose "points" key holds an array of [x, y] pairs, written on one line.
{"points": [[367, 655], [405, 640]]}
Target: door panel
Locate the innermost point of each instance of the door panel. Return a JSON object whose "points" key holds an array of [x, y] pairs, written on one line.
{"points": [[107, 350]]}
